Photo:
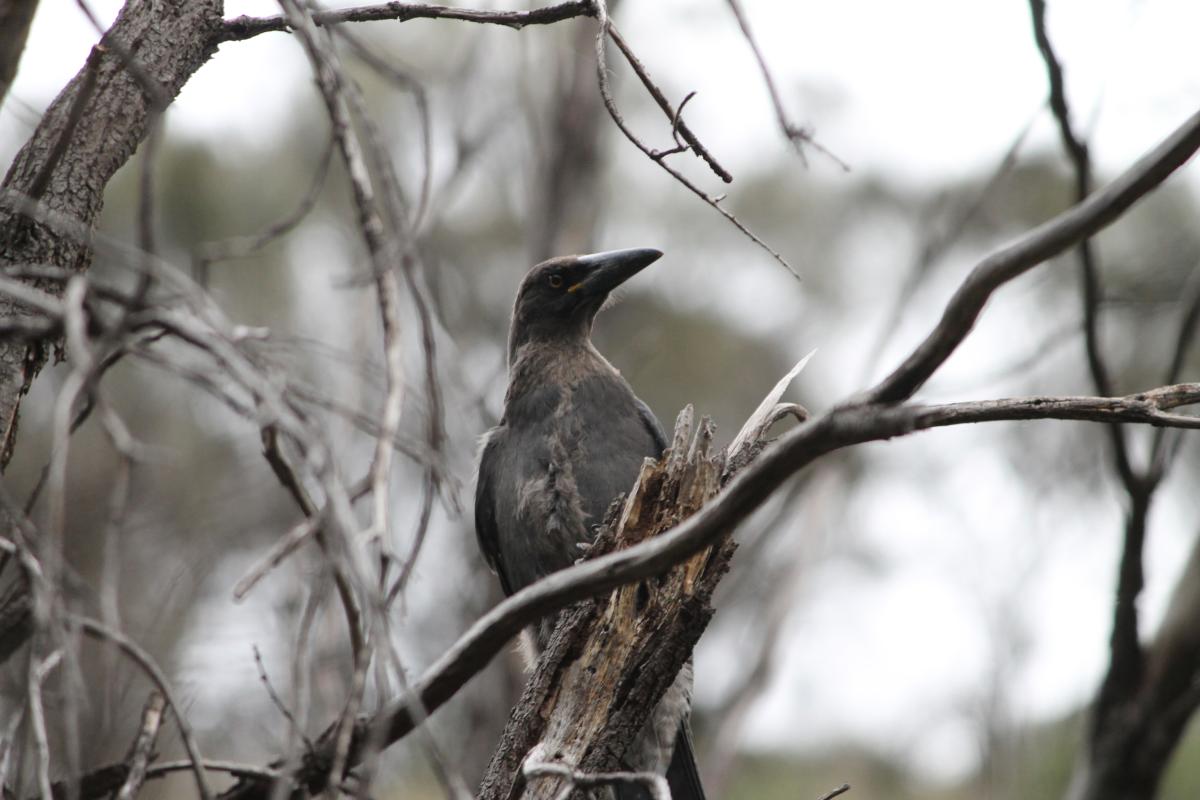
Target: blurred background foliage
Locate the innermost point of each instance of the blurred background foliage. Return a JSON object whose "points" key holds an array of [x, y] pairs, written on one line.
{"points": [[811, 674]]}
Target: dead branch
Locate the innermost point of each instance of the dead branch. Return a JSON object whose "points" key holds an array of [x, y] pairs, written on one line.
{"points": [[611, 104], [245, 27], [1120, 758], [1052, 237], [143, 745]]}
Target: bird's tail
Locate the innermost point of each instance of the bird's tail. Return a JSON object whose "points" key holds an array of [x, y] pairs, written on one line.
{"points": [[682, 777]]}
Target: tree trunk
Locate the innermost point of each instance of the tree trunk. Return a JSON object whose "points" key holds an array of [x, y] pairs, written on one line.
{"points": [[89, 132]]}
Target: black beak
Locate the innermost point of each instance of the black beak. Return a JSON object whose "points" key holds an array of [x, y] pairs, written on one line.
{"points": [[606, 271]]}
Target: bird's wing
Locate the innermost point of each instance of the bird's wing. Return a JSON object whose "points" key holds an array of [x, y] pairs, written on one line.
{"points": [[652, 425], [486, 529]]}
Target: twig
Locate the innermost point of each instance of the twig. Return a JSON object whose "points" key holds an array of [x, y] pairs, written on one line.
{"points": [[1047, 240], [244, 246], [101, 632], [232, 767], [678, 126], [288, 478], [39, 668], [1163, 449], [139, 755], [797, 135], [832, 793], [283, 547], [339, 94], [1122, 677], [103, 781], [246, 27], [276, 700], [611, 104]]}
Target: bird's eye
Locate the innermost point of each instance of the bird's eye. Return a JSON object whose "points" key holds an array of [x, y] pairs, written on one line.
{"points": [[556, 281]]}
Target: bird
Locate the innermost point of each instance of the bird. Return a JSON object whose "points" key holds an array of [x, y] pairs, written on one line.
{"points": [[572, 437]]}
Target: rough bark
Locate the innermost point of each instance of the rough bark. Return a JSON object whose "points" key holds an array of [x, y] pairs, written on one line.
{"points": [[91, 129], [15, 19], [611, 659]]}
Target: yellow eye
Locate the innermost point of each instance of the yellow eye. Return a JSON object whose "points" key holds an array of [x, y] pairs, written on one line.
{"points": [[556, 281]]}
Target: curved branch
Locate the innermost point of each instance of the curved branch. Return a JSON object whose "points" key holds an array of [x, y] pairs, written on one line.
{"points": [[102, 632], [245, 27], [1099, 210], [841, 427]]}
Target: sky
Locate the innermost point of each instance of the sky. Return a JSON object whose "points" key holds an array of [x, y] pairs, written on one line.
{"points": [[920, 92]]}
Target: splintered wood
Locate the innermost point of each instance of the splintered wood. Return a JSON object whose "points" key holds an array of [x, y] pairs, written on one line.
{"points": [[611, 659]]}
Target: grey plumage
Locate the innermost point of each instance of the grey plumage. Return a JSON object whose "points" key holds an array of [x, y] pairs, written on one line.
{"points": [[572, 438]]}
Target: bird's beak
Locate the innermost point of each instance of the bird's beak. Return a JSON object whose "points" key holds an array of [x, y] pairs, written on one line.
{"points": [[606, 271]]}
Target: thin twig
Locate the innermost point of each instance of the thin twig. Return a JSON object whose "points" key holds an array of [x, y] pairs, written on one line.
{"points": [[102, 632], [611, 104], [1126, 655], [245, 246], [678, 126], [143, 745], [832, 793], [797, 135], [39, 668], [276, 700]]}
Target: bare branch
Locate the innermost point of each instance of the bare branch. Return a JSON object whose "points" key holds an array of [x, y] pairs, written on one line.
{"points": [[242, 247], [246, 27], [678, 126], [103, 633], [1052, 237], [611, 104], [832, 793], [139, 755], [797, 135]]}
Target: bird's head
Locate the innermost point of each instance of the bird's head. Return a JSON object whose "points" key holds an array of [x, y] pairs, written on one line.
{"points": [[559, 298]]}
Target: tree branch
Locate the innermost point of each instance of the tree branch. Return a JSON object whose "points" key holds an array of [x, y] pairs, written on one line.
{"points": [[245, 27], [15, 19], [1052, 237]]}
